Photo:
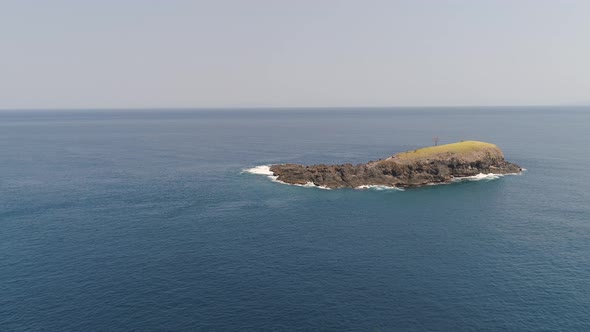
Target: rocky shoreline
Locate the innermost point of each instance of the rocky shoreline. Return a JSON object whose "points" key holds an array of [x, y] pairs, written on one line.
{"points": [[432, 165]]}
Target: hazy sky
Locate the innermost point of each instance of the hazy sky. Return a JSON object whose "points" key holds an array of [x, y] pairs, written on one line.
{"points": [[167, 53]]}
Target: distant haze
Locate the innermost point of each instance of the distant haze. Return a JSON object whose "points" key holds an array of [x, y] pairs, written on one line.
{"points": [[144, 53]]}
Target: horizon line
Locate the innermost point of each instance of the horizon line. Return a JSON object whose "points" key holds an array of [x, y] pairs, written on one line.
{"points": [[282, 107]]}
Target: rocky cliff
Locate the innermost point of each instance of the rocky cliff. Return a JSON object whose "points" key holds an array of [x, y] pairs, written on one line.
{"points": [[431, 165]]}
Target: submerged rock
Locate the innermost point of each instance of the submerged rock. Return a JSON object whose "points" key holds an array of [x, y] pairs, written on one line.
{"points": [[431, 165]]}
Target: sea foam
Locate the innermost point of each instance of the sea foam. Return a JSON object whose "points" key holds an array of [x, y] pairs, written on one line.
{"points": [[260, 170], [483, 177], [265, 170], [378, 187]]}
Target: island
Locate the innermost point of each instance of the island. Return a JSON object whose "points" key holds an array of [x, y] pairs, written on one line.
{"points": [[426, 166]]}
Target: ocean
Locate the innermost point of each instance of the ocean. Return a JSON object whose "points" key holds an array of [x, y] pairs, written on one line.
{"points": [[118, 220]]}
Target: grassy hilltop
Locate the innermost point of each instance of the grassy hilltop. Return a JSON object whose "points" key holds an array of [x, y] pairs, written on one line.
{"points": [[463, 150]]}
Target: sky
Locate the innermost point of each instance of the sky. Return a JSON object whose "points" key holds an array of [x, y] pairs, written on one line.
{"points": [[304, 53]]}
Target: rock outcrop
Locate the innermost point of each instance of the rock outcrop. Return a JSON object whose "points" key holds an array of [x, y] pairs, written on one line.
{"points": [[431, 165]]}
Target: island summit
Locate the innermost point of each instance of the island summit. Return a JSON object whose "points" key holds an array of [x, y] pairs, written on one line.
{"points": [[430, 165]]}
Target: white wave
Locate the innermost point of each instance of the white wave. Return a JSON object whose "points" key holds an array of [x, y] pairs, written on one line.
{"points": [[265, 170], [260, 170], [378, 187], [306, 185], [479, 177], [484, 177]]}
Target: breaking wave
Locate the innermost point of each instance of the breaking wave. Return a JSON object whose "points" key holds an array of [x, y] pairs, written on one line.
{"points": [[378, 187], [265, 170], [259, 170], [483, 177], [479, 177]]}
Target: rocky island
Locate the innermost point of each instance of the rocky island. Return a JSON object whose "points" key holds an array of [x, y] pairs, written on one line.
{"points": [[430, 165]]}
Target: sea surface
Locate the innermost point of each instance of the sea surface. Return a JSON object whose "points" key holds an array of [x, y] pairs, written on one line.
{"points": [[119, 220]]}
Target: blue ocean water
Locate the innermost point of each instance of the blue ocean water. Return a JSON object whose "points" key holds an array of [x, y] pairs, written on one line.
{"points": [[143, 220]]}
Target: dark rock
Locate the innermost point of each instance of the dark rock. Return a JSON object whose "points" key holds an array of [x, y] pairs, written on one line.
{"points": [[409, 169]]}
